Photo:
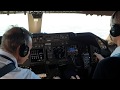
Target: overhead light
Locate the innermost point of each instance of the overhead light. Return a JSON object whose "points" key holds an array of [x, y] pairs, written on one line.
{"points": [[37, 15], [35, 19]]}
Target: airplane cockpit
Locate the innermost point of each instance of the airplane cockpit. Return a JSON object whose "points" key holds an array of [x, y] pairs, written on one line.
{"points": [[64, 54]]}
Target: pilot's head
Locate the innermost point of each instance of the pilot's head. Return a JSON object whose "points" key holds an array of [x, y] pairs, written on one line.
{"points": [[18, 42], [115, 27]]}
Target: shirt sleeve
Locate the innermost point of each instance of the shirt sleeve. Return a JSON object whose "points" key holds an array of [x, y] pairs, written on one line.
{"points": [[32, 75]]}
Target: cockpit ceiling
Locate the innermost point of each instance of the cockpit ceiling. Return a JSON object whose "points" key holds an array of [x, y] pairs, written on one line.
{"points": [[107, 13]]}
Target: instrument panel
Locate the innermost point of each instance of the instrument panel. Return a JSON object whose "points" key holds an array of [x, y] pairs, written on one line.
{"points": [[66, 52]]}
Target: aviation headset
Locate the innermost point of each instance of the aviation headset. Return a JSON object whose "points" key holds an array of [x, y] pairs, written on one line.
{"points": [[24, 49], [115, 29]]}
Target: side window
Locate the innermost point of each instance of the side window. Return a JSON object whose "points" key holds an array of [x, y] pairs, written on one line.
{"points": [[12, 19]]}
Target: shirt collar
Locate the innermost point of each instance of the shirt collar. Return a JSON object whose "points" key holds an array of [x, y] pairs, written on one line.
{"points": [[116, 52], [10, 56]]}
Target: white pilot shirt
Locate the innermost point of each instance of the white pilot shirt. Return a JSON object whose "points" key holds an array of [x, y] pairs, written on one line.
{"points": [[116, 52], [17, 73]]}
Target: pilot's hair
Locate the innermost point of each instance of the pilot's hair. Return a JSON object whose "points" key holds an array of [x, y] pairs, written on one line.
{"points": [[13, 37], [114, 14], [115, 18]]}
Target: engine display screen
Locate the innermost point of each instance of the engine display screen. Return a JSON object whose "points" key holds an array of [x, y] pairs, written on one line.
{"points": [[72, 50]]}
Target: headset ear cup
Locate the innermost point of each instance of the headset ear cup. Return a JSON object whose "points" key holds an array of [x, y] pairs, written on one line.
{"points": [[112, 32], [23, 51], [115, 30]]}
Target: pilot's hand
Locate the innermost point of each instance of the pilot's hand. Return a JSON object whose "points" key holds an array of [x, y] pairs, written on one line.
{"points": [[77, 77], [99, 56]]}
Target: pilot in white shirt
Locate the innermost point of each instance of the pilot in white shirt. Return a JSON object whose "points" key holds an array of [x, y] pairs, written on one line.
{"points": [[17, 73], [16, 44]]}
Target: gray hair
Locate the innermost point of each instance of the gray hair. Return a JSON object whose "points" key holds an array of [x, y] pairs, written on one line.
{"points": [[14, 37]]}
